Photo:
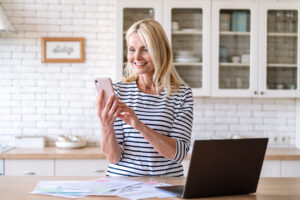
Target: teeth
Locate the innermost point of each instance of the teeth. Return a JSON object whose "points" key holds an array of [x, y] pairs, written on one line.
{"points": [[140, 64]]}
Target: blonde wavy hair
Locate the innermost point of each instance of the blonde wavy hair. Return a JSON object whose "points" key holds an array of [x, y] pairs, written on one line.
{"points": [[165, 75]]}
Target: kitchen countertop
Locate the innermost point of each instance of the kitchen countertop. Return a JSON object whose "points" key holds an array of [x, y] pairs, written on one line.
{"points": [[268, 188], [95, 153]]}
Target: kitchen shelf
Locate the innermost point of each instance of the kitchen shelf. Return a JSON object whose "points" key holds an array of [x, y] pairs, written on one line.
{"points": [[229, 64], [281, 65], [187, 32], [190, 64], [274, 34], [234, 33]]}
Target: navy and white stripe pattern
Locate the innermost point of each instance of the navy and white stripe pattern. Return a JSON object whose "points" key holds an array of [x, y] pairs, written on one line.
{"points": [[169, 115]]}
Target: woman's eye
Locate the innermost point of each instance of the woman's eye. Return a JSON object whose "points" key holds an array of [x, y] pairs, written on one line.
{"points": [[145, 49]]}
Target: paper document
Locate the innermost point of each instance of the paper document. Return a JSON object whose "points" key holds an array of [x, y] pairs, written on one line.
{"points": [[144, 191], [77, 189], [102, 187]]}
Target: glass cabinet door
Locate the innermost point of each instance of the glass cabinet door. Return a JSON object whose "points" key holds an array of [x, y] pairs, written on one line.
{"points": [[187, 44], [130, 16], [234, 56], [129, 12], [234, 49], [282, 54], [187, 24]]}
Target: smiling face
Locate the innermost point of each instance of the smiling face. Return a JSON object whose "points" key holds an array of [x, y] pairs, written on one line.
{"points": [[138, 55]]}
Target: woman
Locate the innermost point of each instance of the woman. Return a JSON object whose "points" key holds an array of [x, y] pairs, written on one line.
{"points": [[146, 127]]}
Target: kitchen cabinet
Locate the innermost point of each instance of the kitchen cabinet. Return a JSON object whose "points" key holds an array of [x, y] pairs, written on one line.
{"points": [[187, 26], [189, 36], [1, 167], [255, 57], [279, 47], [55, 167], [270, 168], [22, 167], [79, 167], [186, 165], [225, 48], [235, 36], [290, 168], [128, 12], [281, 168]]}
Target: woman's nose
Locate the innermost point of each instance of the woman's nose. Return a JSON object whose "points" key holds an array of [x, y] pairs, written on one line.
{"points": [[137, 55]]}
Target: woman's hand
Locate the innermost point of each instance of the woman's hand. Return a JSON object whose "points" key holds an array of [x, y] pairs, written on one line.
{"points": [[128, 115], [108, 113]]}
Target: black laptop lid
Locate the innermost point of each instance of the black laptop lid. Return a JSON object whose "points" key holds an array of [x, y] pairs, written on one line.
{"points": [[225, 167]]}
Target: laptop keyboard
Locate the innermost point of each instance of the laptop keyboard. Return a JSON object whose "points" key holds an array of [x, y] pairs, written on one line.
{"points": [[176, 189]]}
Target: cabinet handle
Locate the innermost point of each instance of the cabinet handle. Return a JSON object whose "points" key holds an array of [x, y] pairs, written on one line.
{"points": [[98, 170], [262, 93], [29, 173], [255, 92]]}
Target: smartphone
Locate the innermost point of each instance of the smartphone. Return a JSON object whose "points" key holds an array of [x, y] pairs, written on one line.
{"points": [[106, 85]]}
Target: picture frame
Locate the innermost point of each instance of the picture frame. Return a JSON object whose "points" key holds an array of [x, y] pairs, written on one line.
{"points": [[63, 49]]}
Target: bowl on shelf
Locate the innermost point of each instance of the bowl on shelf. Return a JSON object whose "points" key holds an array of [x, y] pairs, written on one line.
{"points": [[187, 59], [184, 53]]}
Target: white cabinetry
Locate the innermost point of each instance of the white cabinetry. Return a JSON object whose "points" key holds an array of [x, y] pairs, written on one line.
{"points": [[225, 48], [251, 56], [187, 24], [128, 12], [279, 48], [234, 35], [185, 164], [271, 168], [53, 167], [281, 168], [290, 168], [86, 167], [26, 167], [189, 36]]}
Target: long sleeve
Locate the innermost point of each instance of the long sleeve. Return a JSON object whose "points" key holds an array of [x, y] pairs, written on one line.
{"points": [[182, 127]]}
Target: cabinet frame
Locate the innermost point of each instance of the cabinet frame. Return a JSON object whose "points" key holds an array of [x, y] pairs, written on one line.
{"points": [[121, 4], [217, 6], [210, 41], [205, 5], [264, 7]]}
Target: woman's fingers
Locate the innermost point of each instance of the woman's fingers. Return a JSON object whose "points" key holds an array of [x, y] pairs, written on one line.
{"points": [[100, 99], [115, 106], [109, 103]]}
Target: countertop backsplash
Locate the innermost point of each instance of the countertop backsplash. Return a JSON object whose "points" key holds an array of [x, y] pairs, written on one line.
{"points": [[52, 99]]}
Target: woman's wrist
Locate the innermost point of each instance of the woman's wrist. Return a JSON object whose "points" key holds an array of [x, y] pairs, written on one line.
{"points": [[139, 126], [107, 130]]}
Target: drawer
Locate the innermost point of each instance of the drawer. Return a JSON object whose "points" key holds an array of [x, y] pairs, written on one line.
{"points": [[185, 165], [81, 167], [270, 168], [26, 167], [290, 168]]}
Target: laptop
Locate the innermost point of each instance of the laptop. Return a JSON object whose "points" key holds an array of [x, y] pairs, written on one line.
{"points": [[222, 167]]}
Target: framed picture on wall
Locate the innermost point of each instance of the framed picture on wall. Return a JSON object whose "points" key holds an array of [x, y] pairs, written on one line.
{"points": [[62, 49]]}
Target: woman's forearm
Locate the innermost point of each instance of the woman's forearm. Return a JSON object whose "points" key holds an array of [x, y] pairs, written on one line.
{"points": [[110, 146], [165, 145]]}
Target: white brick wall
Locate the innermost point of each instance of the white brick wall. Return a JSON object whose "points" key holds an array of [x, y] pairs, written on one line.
{"points": [[246, 117], [52, 99]]}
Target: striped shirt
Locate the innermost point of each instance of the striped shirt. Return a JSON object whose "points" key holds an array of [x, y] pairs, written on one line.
{"points": [[169, 115]]}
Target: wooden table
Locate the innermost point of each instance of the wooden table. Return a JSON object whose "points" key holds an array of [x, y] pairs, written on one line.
{"points": [[18, 188]]}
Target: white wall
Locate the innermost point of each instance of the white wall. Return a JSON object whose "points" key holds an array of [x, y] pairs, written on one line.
{"points": [[52, 99]]}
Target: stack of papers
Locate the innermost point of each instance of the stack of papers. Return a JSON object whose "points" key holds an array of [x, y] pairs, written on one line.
{"points": [[101, 187]]}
